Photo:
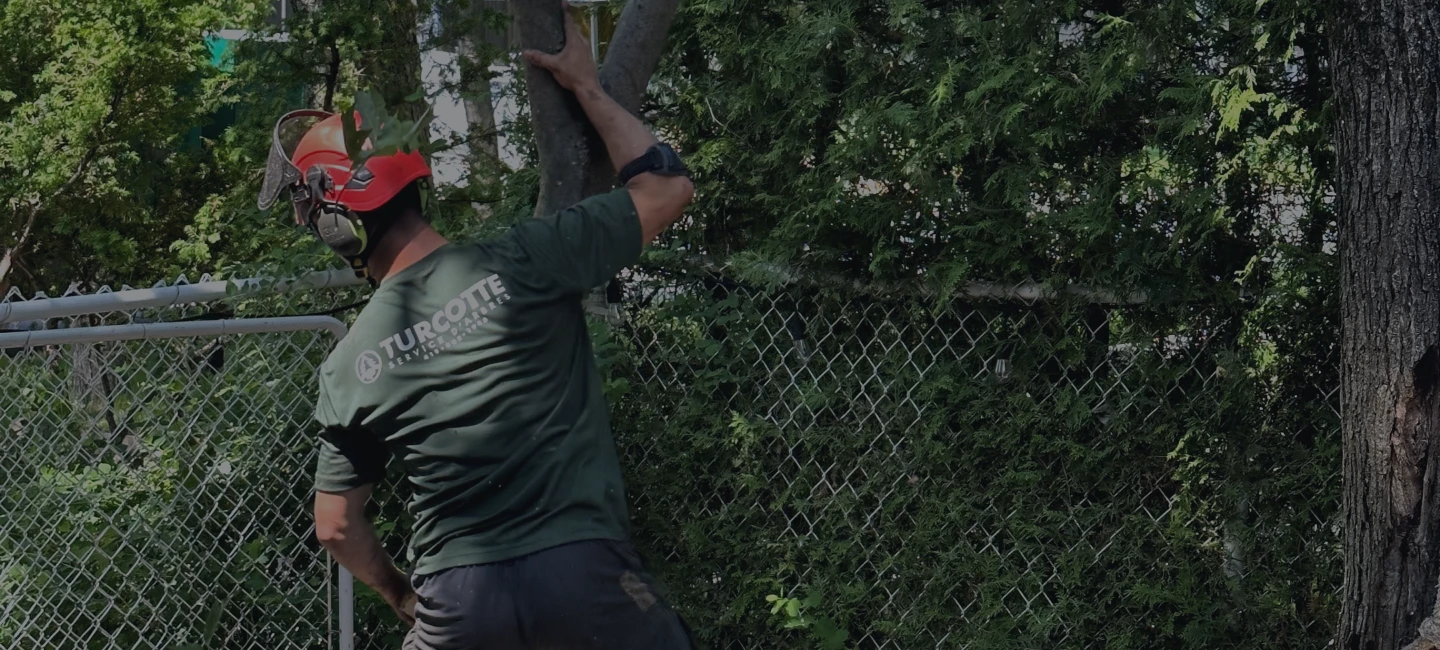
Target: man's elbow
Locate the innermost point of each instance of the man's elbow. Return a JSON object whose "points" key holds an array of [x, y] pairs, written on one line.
{"points": [[659, 201], [338, 513], [330, 531]]}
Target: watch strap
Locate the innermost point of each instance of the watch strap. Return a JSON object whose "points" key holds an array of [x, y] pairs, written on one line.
{"points": [[660, 159]]}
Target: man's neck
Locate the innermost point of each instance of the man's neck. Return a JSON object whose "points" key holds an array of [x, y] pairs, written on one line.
{"points": [[405, 244]]}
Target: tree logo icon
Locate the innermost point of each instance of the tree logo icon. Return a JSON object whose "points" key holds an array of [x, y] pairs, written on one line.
{"points": [[367, 366]]}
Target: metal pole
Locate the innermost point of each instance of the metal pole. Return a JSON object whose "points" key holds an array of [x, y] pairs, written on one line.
{"points": [[347, 610], [171, 330], [594, 34], [131, 299]]}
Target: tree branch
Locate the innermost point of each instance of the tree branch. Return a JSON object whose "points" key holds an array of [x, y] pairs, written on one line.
{"points": [[573, 161], [1429, 638], [8, 261], [635, 50], [630, 61], [332, 77], [560, 125]]}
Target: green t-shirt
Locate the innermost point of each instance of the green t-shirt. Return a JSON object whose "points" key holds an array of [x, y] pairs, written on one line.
{"points": [[473, 369]]}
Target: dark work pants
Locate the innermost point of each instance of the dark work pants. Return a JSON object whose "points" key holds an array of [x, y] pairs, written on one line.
{"points": [[591, 595]]}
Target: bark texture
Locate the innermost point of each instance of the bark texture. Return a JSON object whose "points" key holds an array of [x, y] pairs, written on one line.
{"points": [[394, 71], [561, 130], [480, 132], [573, 161], [1387, 97]]}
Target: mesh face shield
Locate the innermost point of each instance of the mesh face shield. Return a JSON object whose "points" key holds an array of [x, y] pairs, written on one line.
{"points": [[280, 171]]}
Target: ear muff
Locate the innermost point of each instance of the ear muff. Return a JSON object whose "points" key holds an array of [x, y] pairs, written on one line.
{"points": [[340, 227], [341, 231]]}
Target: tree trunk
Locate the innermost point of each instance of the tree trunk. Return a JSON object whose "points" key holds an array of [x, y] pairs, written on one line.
{"points": [[480, 133], [332, 76], [1387, 96], [480, 115], [573, 161], [562, 133], [630, 60], [395, 70], [12, 253], [474, 58]]}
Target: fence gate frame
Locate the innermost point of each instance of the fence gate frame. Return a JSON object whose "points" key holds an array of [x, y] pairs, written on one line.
{"points": [[179, 294]]}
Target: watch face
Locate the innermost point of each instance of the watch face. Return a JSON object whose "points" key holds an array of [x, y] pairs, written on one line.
{"points": [[670, 161]]}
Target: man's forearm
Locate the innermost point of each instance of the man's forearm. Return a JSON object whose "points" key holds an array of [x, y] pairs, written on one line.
{"points": [[625, 136], [358, 549]]}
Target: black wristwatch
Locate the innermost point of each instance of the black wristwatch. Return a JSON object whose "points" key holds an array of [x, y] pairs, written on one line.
{"points": [[658, 159]]}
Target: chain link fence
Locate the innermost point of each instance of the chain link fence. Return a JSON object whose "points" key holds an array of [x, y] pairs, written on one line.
{"points": [[155, 492], [977, 473], [915, 473]]}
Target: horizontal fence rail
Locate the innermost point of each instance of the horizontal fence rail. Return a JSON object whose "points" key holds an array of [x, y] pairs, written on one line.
{"points": [[164, 296]]}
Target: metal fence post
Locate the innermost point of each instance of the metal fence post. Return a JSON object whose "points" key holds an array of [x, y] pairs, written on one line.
{"points": [[347, 610]]}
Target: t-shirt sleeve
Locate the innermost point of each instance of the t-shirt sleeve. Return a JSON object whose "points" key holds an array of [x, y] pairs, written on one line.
{"points": [[349, 456], [582, 246]]}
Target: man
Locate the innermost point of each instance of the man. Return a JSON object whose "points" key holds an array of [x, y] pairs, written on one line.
{"points": [[471, 365]]}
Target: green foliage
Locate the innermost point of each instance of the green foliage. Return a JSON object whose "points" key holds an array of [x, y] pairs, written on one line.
{"points": [[1127, 145], [1137, 478], [387, 134], [151, 500], [1156, 475], [141, 160], [98, 98], [797, 614]]}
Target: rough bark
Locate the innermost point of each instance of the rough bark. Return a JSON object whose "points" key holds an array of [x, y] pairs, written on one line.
{"points": [[1387, 97], [394, 71], [573, 161], [561, 130]]}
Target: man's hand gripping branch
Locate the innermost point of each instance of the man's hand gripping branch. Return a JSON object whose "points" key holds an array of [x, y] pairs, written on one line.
{"points": [[659, 200]]}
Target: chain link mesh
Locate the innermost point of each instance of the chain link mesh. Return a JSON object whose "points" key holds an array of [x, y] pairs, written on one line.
{"points": [[952, 474], [156, 492]]}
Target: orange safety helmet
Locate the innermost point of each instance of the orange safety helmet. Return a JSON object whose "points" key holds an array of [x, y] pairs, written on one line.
{"points": [[308, 158]]}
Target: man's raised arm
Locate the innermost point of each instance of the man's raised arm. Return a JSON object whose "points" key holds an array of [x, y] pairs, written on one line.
{"points": [[659, 200]]}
